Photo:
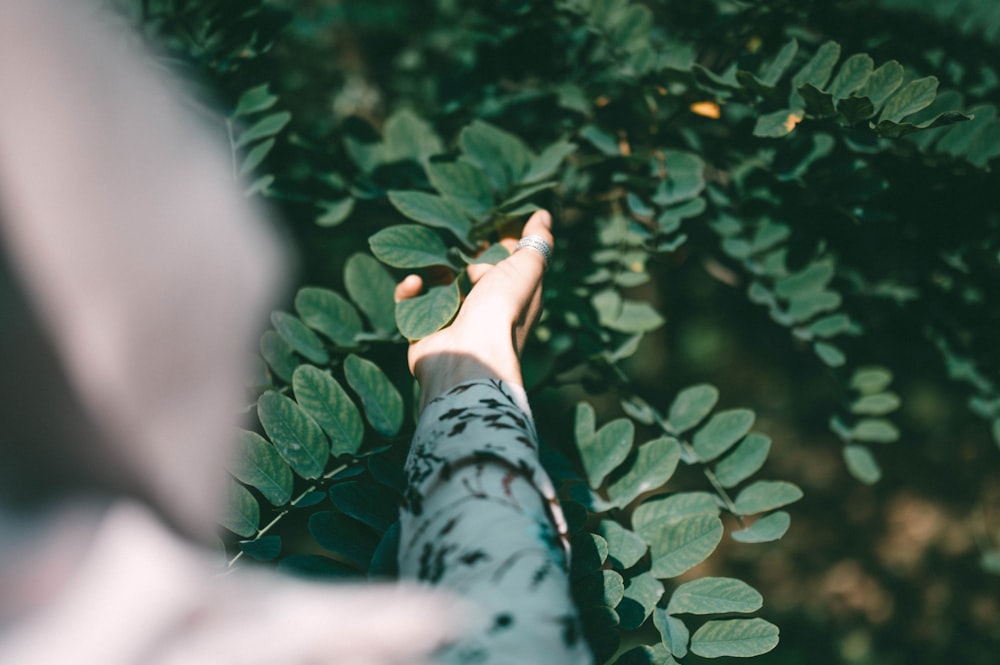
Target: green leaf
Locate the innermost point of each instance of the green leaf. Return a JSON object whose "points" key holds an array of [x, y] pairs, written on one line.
{"points": [[875, 430], [714, 595], [685, 178], [804, 306], [265, 548], [493, 255], [608, 447], [500, 154], [315, 567], [777, 124], [862, 464], [426, 314], [408, 136], [766, 529], [721, 431], [584, 422], [589, 552], [642, 593], [856, 109], [830, 354], [268, 126], [344, 536], [433, 211], [745, 460], [547, 163], [830, 326], [382, 402], [255, 157], [682, 545], [259, 186], [372, 288], [328, 313], [882, 83], [624, 547], [368, 503], [255, 100], [600, 139], [734, 637], [296, 435], [996, 431], [323, 398], [628, 316], [603, 588], [691, 406], [654, 464], [780, 63], [656, 654], [853, 74], [818, 104], [335, 212], [649, 515], [909, 99], [810, 279], [633, 28], [876, 405], [673, 633], [278, 354], [242, 514], [765, 495], [893, 130], [259, 465], [869, 380], [409, 246], [462, 184], [300, 337], [818, 70]]}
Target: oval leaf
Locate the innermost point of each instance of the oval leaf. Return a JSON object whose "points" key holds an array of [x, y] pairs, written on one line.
{"points": [[259, 465], [463, 184], [655, 462], [372, 287], [673, 633], [606, 449], [768, 528], [383, 403], [691, 406], [299, 337], [432, 210], [721, 432], [862, 464], [714, 595], [295, 435], [681, 546], [409, 246], [328, 313], [242, 513], [426, 314], [624, 547], [744, 461], [642, 593], [323, 398], [734, 637], [672, 509], [765, 495]]}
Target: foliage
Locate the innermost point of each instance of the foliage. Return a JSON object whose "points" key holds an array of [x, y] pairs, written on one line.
{"points": [[784, 146]]}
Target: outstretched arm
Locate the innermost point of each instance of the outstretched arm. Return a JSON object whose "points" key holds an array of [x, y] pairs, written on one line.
{"points": [[481, 518]]}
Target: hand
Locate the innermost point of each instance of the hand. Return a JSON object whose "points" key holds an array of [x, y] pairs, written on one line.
{"points": [[488, 334]]}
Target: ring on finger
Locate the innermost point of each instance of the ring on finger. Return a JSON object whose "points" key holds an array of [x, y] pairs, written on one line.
{"points": [[537, 243]]}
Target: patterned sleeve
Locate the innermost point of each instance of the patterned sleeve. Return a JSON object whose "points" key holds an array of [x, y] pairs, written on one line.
{"points": [[481, 519]]}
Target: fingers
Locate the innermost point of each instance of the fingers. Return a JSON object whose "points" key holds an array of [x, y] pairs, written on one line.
{"points": [[408, 288]]}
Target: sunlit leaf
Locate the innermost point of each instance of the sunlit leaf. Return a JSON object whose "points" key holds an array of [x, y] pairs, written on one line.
{"points": [[734, 637], [714, 595], [721, 431], [766, 529], [602, 452], [679, 546], [409, 246], [425, 314], [325, 400], [258, 464], [328, 313], [744, 461], [295, 435], [765, 495]]}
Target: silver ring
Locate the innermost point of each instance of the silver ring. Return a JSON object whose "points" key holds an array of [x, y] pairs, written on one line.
{"points": [[538, 244]]}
